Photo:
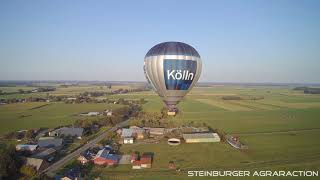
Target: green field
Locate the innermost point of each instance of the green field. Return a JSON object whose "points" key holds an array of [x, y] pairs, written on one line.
{"points": [[20, 116], [281, 130]]}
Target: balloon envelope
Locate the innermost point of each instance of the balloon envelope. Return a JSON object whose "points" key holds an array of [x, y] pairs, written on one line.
{"points": [[172, 68]]}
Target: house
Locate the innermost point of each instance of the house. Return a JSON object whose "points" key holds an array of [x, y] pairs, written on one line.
{"points": [[72, 174], [146, 161], [104, 157], [172, 165], [108, 112], [38, 164], [67, 131], [201, 137], [26, 147], [136, 165], [48, 142], [127, 140], [47, 154], [134, 157]]}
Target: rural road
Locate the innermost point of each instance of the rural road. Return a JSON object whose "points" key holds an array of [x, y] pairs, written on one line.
{"points": [[60, 163]]}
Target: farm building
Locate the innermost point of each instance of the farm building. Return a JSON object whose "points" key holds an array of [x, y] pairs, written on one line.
{"points": [[67, 131], [126, 132], [104, 157], [93, 113], [90, 114], [47, 154], [201, 137], [38, 164], [136, 132], [48, 142], [155, 131], [26, 147]]}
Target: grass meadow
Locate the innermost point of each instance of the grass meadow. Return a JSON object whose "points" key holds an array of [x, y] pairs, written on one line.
{"points": [[282, 130]]}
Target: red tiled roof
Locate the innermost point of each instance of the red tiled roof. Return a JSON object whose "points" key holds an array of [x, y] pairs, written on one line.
{"points": [[136, 163], [145, 160]]}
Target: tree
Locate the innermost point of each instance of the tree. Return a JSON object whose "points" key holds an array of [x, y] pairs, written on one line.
{"points": [[142, 101], [9, 162], [29, 134], [28, 171]]}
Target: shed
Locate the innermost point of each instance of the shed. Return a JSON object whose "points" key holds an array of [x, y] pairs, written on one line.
{"points": [[46, 154], [26, 147], [128, 140]]}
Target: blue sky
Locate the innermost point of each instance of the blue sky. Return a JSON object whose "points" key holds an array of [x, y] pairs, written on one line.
{"points": [[239, 41]]}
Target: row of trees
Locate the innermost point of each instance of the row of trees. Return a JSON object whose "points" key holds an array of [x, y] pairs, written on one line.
{"points": [[119, 115], [308, 90], [29, 134], [22, 91]]}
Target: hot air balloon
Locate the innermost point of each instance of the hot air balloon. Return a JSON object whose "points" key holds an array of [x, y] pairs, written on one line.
{"points": [[172, 68]]}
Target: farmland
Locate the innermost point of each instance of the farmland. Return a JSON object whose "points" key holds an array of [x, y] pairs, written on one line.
{"points": [[281, 130], [280, 126], [35, 115]]}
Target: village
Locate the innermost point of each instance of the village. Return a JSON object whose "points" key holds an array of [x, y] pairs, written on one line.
{"points": [[108, 153], [42, 148]]}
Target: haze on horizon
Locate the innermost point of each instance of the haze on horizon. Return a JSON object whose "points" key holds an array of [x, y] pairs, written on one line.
{"points": [[239, 41]]}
